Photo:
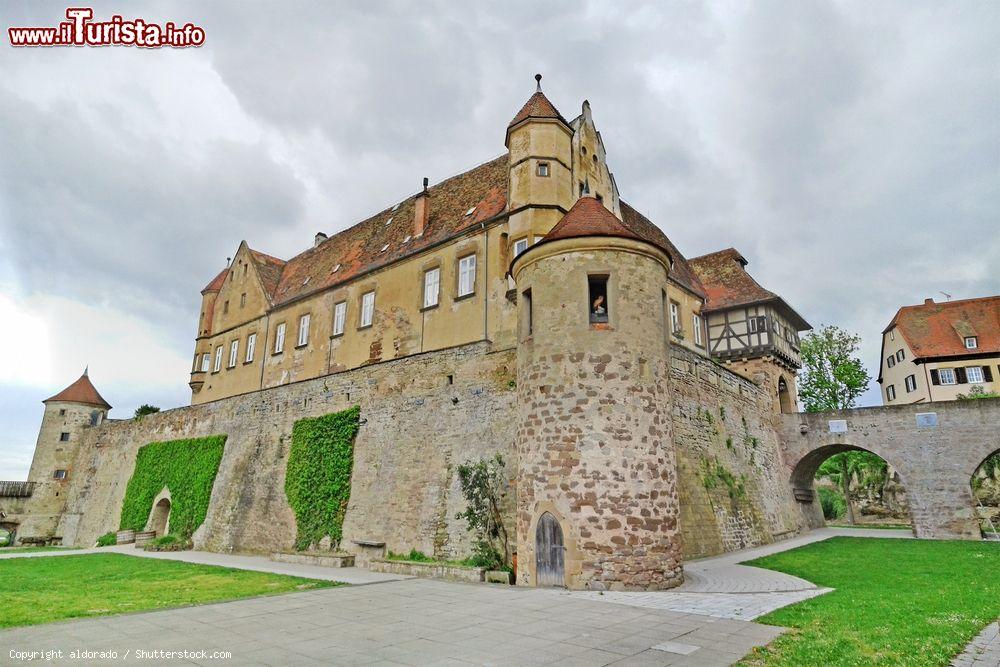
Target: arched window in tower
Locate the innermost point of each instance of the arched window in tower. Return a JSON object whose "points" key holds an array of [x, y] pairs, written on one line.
{"points": [[598, 299]]}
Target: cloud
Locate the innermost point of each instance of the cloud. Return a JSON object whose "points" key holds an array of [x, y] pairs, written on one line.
{"points": [[849, 150]]}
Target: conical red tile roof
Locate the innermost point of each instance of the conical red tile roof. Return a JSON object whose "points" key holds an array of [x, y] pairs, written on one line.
{"points": [[81, 391], [589, 217], [537, 106]]}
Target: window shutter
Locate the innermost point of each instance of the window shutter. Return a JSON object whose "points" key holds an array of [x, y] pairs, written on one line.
{"points": [[987, 374], [934, 377], [960, 375]]}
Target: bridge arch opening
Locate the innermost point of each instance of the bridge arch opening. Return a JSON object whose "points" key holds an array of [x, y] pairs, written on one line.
{"points": [[841, 483], [985, 484]]}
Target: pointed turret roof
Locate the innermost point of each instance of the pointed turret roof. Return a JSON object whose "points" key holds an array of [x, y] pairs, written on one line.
{"points": [[589, 217], [81, 391], [537, 106]]}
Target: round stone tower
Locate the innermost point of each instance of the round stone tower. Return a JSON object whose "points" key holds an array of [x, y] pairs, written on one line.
{"points": [[67, 416], [597, 503]]}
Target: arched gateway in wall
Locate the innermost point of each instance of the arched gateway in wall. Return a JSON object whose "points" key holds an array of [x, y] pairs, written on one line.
{"points": [[934, 447]]}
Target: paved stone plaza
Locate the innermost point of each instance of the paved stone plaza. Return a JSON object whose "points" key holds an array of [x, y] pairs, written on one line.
{"points": [[412, 622]]}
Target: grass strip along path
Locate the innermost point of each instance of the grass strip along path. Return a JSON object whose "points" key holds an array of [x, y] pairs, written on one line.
{"points": [[41, 590], [897, 602]]}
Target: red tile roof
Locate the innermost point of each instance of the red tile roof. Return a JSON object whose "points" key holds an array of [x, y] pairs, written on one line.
{"points": [[681, 272], [386, 237], [589, 217], [939, 329], [727, 285], [81, 391], [217, 282], [537, 106]]}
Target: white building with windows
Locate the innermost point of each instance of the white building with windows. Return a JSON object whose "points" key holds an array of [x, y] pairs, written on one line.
{"points": [[941, 351]]}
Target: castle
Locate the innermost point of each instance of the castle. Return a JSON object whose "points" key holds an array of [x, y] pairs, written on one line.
{"points": [[520, 308]]}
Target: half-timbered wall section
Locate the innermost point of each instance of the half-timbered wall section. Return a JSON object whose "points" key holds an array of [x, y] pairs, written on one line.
{"points": [[753, 331]]}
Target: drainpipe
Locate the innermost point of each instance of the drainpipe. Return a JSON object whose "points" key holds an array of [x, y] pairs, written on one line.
{"points": [[486, 282]]}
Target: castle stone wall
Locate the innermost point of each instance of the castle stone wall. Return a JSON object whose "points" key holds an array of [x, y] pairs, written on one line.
{"points": [[422, 416], [732, 481]]}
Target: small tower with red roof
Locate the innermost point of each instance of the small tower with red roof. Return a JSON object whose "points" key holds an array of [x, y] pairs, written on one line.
{"points": [[597, 496], [67, 415]]}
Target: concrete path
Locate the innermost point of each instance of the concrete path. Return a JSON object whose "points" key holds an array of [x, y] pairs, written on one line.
{"points": [[412, 622], [721, 587], [347, 575], [983, 651]]}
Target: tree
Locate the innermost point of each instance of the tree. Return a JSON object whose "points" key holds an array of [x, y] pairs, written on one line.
{"points": [[145, 409], [871, 471], [483, 484], [833, 378]]}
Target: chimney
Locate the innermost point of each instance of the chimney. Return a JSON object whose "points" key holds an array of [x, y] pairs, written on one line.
{"points": [[928, 302], [421, 211], [320, 237]]}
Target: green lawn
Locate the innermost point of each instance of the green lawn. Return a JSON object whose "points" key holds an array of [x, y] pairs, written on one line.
{"points": [[29, 550], [40, 590], [897, 602]]}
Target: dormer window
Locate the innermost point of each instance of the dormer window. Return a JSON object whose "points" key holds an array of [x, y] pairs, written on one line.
{"points": [[542, 169], [971, 342], [598, 299]]}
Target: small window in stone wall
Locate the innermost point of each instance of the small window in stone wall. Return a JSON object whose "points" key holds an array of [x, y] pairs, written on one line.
{"points": [[64, 437], [59, 474], [62, 412], [543, 169], [598, 289], [528, 312]]}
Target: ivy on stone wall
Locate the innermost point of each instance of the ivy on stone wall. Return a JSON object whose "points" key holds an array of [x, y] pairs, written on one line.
{"points": [[318, 478], [187, 468]]}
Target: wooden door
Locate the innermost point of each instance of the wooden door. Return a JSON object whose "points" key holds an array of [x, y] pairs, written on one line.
{"points": [[549, 564]]}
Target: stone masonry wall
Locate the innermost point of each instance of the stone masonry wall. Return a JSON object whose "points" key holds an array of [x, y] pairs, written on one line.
{"points": [[421, 417], [732, 483]]}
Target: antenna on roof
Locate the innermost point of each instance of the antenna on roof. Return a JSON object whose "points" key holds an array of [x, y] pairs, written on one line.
{"points": [[538, 83], [947, 296]]}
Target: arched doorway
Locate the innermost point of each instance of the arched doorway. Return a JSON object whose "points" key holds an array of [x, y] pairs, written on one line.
{"points": [[550, 567], [985, 484], [159, 519], [848, 485], [785, 400]]}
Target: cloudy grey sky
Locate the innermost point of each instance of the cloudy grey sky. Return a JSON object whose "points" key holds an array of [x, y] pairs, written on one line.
{"points": [[851, 151]]}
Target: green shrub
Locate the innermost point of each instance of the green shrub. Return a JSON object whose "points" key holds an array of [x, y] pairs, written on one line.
{"points": [[833, 504], [187, 468], [107, 539], [318, 478], [414, 556], [168, 543]]}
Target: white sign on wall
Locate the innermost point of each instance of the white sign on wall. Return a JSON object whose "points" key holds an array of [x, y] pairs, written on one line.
{"points": [[926, 420], [838, 426]]}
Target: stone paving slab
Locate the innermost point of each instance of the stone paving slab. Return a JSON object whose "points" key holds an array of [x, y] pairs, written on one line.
{"points": [[411, 622], [983, 651]]}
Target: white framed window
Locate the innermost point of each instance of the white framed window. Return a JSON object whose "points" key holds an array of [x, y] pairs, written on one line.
{"points": [[900, 355], [432, 287], [206, 361], [890, 393], [890, 360], [303, 330], [911, 383], [971, 342], [675, 316], [946, 375], [279, 338], [520, 246], [251, 346], [974, 374], [367, 308], [467, 275], [218, 360], [339, 318], [696, 322], [234, 351], [543, 169]]}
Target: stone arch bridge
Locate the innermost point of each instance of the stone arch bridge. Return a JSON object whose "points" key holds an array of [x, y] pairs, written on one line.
{"points": [[935, 448]]}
